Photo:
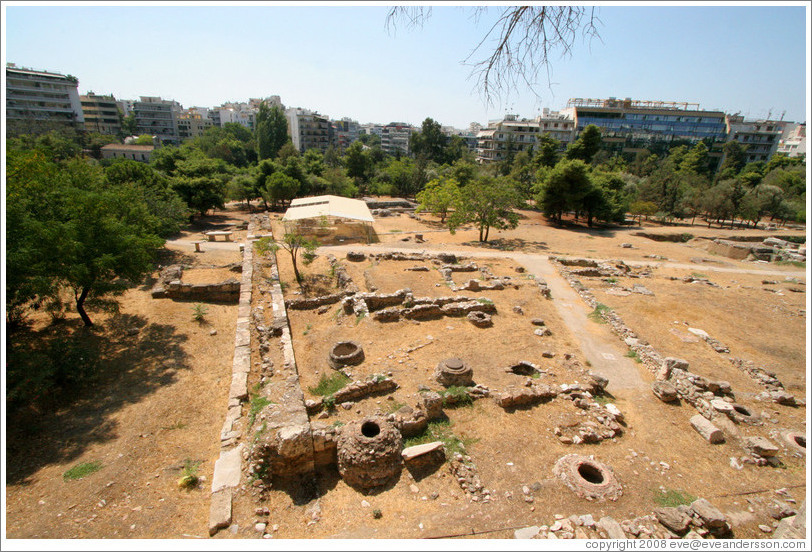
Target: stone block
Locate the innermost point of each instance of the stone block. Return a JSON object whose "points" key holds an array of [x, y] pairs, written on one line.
{"points": [[712, 516], [760, 446], [664, 391], [707, 430], [673, 519], [239, 386], [526, 532], [612, 528], [219, 511], [227, 470], [410, 453]]}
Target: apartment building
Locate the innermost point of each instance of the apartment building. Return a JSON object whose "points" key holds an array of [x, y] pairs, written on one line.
{"points": [[308, 129], [345, 132], [793, 140], [193, 122], [101, 114], [158, 117], [395, 138], [632, 125], [511, 133], [761, 137], [40, 101]]}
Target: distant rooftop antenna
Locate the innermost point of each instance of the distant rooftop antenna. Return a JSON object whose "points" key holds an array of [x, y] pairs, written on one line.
{"points": [[782, 114]]}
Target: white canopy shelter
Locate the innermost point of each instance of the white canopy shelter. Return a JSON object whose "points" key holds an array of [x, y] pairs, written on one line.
{"points": [[327, 206]]}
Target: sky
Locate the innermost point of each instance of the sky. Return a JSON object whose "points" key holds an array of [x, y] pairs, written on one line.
{"points": [[342, 61]]}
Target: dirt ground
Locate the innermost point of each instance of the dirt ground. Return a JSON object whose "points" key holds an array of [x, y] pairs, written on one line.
{"points": [[164, 397], [160, 401]]}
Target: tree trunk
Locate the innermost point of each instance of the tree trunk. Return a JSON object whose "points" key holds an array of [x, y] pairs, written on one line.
{"points": [[295, 268], [80, 306], [487, 232]]}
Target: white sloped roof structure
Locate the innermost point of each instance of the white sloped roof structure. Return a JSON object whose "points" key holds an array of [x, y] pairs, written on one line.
{"points": [[329, 206]]}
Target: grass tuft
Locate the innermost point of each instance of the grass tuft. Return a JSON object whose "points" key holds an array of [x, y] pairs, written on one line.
{"points": [[455, 396], [632, 354], [329, 384], [257, 404], [440, 430], [82, 470], [671, 498], [189, 479], [597, 314]]}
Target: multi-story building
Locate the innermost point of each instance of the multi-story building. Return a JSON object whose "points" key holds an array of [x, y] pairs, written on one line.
{"points": [[761, 137], [395, 138], [158, 117], [793, 141], [237, 113], [193, 122], [345, 132], [632, 125], [39, 101], [101, 114], [308, 129], [513, 134]]}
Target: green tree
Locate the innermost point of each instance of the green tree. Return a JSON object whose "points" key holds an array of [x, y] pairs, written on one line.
{"points": [[563, 188], [167, 208], [430, 142], [357, 162], [642, 209], [280, 189], [696, 160], [735, 157], [314, 162], [486, 202], [271, 131], [438, 197], [587, 144], [144, 140], [294, 243], [87, 235], [547, 151], [128, 125]]}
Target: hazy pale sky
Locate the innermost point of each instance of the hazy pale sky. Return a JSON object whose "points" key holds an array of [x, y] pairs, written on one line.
{"points": [[342, 61]]}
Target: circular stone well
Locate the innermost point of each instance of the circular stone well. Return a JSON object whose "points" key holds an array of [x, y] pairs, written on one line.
{"points": [[588, 478], [795, 441], [369, 453], [454, 371], [345, 353], [741, 414]]}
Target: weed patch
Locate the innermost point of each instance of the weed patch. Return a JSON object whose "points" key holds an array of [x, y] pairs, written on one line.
{"points": [[328, 385], [671, 498], [82, 470], [597, 314], [440, 430], [257, 404]]}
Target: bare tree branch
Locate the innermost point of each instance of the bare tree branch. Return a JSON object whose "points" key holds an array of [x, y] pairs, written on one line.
{"points": [[524, 38]]}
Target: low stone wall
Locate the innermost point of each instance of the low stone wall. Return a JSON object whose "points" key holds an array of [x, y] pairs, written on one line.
{"points": [[227, 291], [690, 387], [227, 468]]}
